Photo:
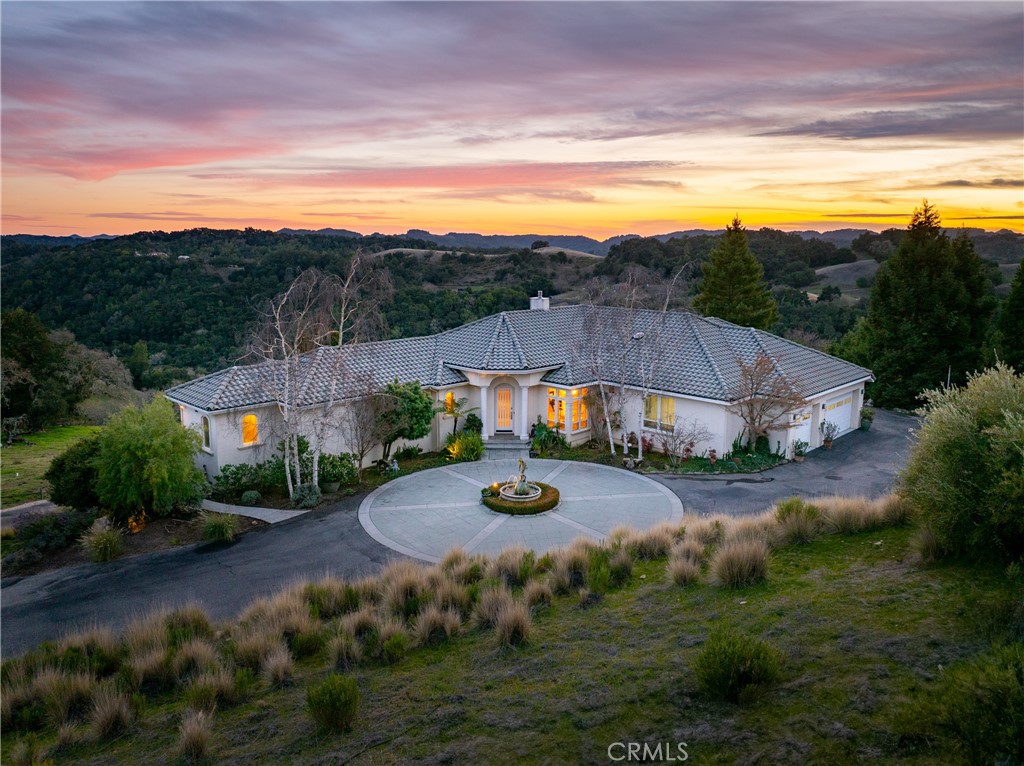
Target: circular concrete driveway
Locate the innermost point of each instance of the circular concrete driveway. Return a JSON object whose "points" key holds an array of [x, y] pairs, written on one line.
{"points": [[426, 514]]}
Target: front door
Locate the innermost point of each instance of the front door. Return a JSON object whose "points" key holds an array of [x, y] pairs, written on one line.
{"points": [[503, 394]]}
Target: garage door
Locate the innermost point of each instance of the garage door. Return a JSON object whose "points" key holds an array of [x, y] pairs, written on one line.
{"points": [[839, 411], [800, 430]]}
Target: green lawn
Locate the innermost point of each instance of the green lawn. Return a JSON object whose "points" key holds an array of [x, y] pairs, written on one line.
{"points": [[860, 626], [22, 465]]}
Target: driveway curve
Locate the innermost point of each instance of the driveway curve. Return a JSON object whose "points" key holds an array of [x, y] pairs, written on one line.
{"points": [[426, 514], [331, 539]]}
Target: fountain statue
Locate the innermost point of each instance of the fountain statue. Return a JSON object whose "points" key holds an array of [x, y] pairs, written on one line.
{"points": [[517, 488]]}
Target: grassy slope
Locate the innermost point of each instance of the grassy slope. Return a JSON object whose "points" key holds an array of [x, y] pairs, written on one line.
{"points": [[23, 465], [859, 625]]}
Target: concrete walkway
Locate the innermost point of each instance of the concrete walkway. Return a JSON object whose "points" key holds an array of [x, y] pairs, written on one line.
{"points": [[269, 515], [426, 514]]}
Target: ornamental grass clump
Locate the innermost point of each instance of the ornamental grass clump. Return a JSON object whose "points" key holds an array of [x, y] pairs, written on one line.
{"points": [[103, 541], [329, 597], [653, 543], [515, 566], [796, 521], [344, 651], [194, 658], [435, 626], [187, 622], [513, 624], [683, 571], [334, 702], [111, 713], [278, 667], [451, 595], [194, 734], [849, 515], [537, 594], [689, 549], [210, 688], [740, 563], [218, 527], [492, 602], [736, 668]]}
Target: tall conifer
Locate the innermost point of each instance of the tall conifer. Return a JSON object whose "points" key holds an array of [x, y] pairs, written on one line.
{"points": [[733, 286], [929, 309], [1010, 341]]}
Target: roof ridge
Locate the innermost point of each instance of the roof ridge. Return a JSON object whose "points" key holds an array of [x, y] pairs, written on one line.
{"points": [[224, 383], [710, 358], [802, 347], [494, 338], [515, 339]]}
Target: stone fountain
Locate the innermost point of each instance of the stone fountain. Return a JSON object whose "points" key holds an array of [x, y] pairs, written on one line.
{"points": [[517, 489]]}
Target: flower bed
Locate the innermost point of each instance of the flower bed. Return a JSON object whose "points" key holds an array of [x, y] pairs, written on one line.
{"points": [[548, 499]]}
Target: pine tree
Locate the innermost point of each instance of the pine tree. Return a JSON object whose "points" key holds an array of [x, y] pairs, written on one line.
{"points": [[1010, 340], [733, 287], [928, 313]]}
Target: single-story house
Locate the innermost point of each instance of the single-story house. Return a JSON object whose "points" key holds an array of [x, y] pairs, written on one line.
{"points": [[518, 367]]}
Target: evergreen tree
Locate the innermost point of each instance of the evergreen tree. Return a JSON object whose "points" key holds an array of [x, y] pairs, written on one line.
{"points": [[733, 287], [928, 313], [1010, 330]]}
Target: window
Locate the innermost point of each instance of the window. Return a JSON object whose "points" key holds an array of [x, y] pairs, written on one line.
{"points": [[660, 413], [449, 402], [250, 430], [560, 401], [181, 414], [206, 432]]}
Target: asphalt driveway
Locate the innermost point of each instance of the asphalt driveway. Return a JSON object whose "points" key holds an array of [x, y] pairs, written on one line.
{"points": [[45, 606]]}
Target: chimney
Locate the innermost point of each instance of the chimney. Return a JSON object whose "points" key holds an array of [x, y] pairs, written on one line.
{"points": [[540, 303]]}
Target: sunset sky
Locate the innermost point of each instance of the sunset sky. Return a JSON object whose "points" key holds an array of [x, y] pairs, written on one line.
{"points": [[555, 118]]}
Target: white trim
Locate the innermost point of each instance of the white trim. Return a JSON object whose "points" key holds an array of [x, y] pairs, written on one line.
{"points": [[840, 388]]}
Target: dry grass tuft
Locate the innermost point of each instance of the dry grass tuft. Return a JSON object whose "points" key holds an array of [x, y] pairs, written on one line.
{"points": [[210, 688], [683, 571], [738, 563], [569, 567], [405, 584], [847, 515], [796, 521], [453, 559], [654, 543], [435, 626], [362, 623], [761, 527], [619, 536], [708, 531], [513, 624], [344, 651], [147, 634], [278, 666], [193, 658], [194, 734], [925, 543], [66, 695], [537, 594], [329, 596], [514, 566], [187, 622], [895, 509], [151, 671], [111, 713], [689, 549], [252, 647], [452, 595], [492, 602]]}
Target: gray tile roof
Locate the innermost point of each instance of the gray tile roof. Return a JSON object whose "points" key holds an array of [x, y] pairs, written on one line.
{"points": [[676, 352]]}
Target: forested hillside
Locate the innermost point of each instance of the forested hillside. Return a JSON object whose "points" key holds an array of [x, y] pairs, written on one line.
{"points": [[189, 297]]}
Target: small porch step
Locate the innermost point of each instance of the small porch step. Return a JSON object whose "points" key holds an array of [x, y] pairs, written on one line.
{"points": [[506, 449]]}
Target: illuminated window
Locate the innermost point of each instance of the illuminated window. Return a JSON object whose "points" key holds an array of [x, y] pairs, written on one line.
{"points": [[250, 430], [181, 414], [660, 413], [449, 402], [560, 401], [206, 432]]}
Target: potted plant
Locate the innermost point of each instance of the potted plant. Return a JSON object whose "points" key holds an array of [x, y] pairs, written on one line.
{"points": [[332, 472], [867, 414], [713, 457], [829, 431], [799, 450]]}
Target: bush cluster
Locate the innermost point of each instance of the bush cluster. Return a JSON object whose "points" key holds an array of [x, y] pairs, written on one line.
{"points": [[333, 702], [736, 668], [52, 532], [465, 446]]}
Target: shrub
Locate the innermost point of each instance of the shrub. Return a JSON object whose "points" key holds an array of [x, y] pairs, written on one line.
{"points": [[408, 452], [251, 497], [653, 543], [465, 446], [966, 472], [739, 563], [513, 624], [218, 527], [472, 424], [72, 475], [735, 668], [103, 542], [146, 462], [307, 496], [194, 734], [340, 468], [334, 702], [52, 532], [980, 703], [683, 571], [546, 439], [394, 643]]}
